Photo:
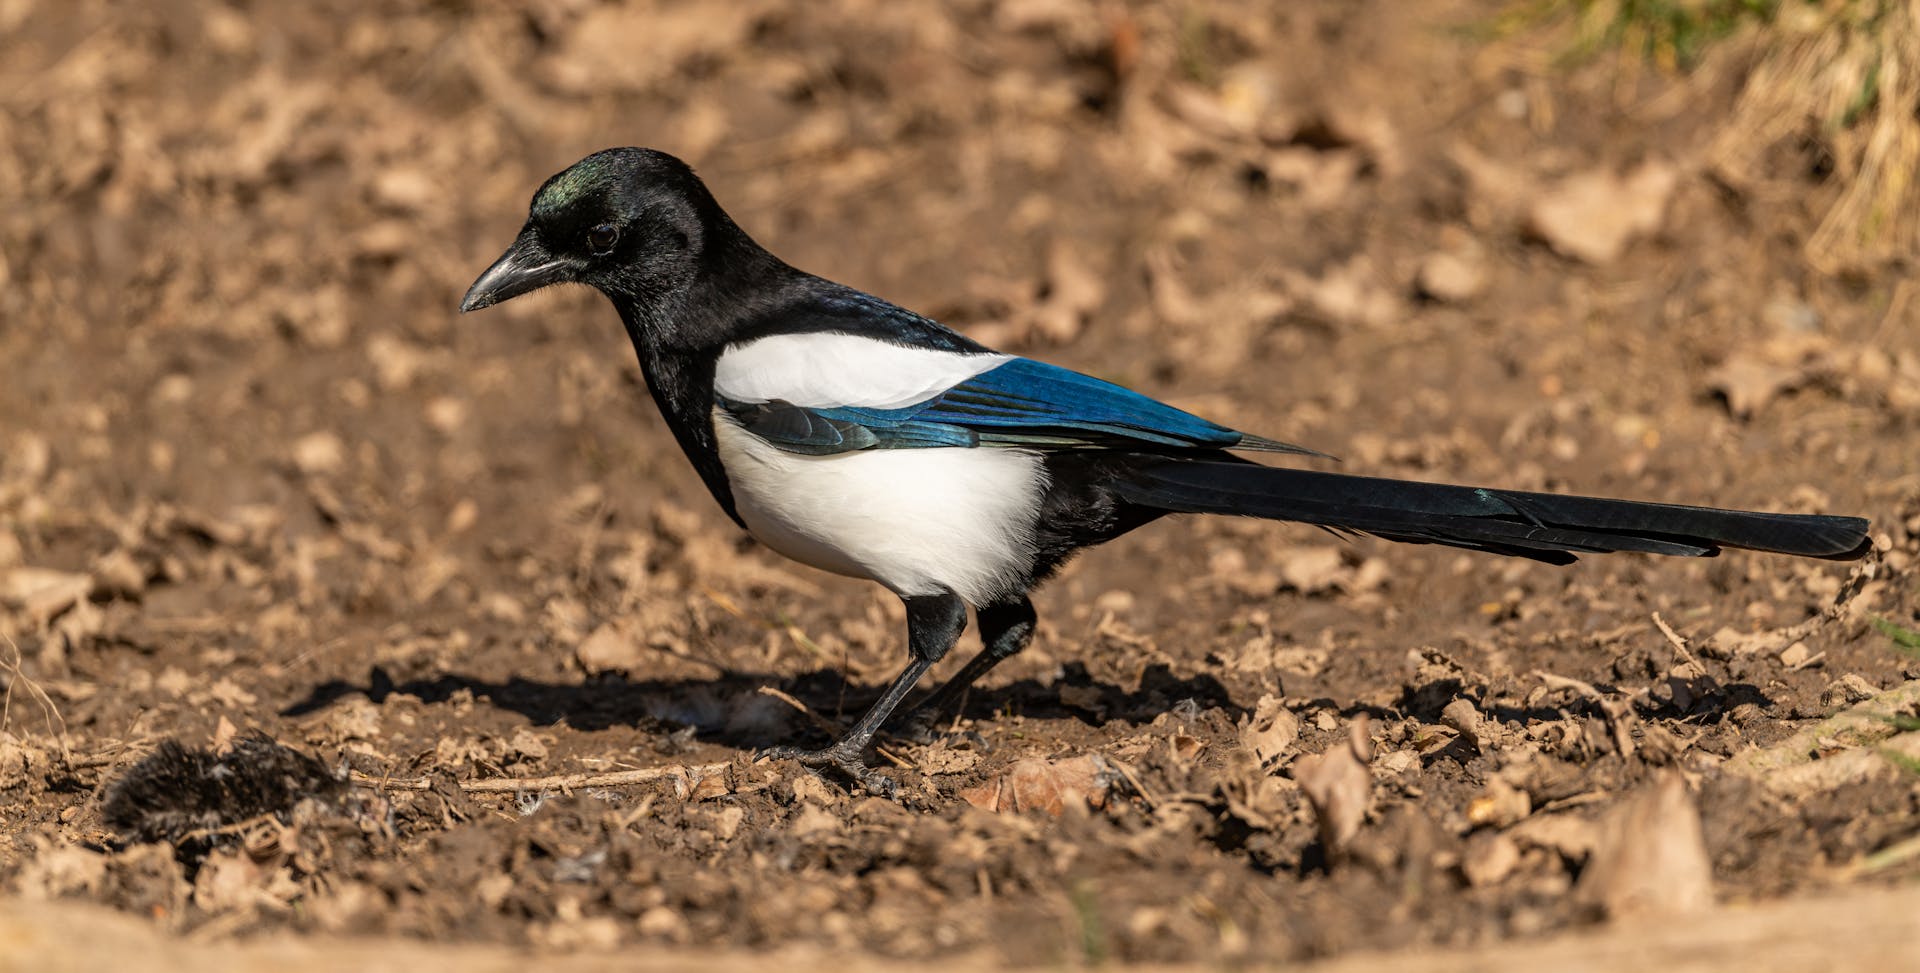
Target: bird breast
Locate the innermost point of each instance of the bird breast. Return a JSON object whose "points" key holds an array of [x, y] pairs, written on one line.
{"points": [[918, 521]]}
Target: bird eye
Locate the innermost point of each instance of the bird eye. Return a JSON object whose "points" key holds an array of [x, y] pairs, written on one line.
{"points": [[601, 238]]}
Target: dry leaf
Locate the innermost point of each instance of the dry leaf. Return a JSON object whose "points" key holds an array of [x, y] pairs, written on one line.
{"points": [[1312, 570], [813, 820], [726, 822], [1396, 762], [1848, 689], [1489, 859], [709, 787], [616, 47], [1592, 216], [1462, 716], [118, 573], [1348, 294], [56, 871], [1572, 838], [1501, 805], [319, 453], [1652, 857], [525, 746], [1271, 731], [226, 691], [611, 648], [1185, 748], [1450, 277], [43, 593], [1748, 384], [810, 789], [1339, 785], [353, 718], [1073, 291], [1051, 786]]}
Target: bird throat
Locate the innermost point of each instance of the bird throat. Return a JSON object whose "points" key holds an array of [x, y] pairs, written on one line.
{"points": [[681, 383]]}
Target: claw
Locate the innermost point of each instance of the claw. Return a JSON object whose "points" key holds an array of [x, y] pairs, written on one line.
{"points": [[840, 759]]}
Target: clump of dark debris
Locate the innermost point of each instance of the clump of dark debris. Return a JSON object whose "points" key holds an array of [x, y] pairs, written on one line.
{"points": [[179, 793]]}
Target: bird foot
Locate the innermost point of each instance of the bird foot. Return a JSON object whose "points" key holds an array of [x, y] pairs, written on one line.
{"points": [[845, 760]]}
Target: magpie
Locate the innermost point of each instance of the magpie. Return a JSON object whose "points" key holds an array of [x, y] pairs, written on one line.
{"points": [[853, 435]]}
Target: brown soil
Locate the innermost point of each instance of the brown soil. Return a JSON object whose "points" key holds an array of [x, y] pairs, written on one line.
{"points": [[258, 476]]}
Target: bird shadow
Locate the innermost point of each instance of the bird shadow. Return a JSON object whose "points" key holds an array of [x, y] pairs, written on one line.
{"points": [[730, 708]]}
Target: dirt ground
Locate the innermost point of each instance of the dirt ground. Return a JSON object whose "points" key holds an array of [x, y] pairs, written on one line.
{"points": [[260, 482]]}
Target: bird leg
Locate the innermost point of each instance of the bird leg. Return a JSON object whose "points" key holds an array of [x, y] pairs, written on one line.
{"points": [[1005, 629], [934, 624]]}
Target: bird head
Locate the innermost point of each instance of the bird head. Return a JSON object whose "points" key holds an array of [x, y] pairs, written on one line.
{"points": [[629, 222]]}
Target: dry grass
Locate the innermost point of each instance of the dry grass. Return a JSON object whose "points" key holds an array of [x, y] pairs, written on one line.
{"points": [[1837, 79], [12, 667], [1844, 75]]}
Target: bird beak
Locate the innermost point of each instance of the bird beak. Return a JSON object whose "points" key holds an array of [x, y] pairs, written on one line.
{"points": [[525, 267]]}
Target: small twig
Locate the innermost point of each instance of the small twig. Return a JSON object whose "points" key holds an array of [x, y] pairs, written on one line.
{"points": [[557, 782], [644, 808], [726, 604], [1581, 687], [1134, 781], [1809, 662], [801, 639], [1679, 645], [102, 758], [1615, 710], [822, 722]]}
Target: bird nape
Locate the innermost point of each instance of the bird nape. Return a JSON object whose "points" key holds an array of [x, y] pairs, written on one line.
{"points": [[858, 437]]}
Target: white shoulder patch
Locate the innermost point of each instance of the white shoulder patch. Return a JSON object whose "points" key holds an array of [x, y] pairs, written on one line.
{"points": [[826, 370]]}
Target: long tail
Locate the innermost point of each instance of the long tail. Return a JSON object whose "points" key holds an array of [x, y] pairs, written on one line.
{"points": [[1542, 526]]}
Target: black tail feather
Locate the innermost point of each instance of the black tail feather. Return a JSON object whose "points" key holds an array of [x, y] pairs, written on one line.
{"points": [[1542, 526]]}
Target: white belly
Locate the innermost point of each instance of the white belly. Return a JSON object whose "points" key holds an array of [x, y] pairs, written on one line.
{"points": [[915, 520]]}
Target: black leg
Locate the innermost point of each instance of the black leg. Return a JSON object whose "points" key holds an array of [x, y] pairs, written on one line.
{"points": [[934, 623], [1005, 629]]}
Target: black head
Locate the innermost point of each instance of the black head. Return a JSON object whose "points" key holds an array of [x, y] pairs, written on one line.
{"points": [[634, 223]]}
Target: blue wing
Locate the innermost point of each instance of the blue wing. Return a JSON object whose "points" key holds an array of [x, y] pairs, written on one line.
{"points": [[1022, 404]]}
